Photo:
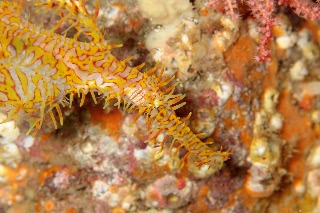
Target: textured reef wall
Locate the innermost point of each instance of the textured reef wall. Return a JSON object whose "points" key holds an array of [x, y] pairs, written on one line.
{"points": [[250, 71]]}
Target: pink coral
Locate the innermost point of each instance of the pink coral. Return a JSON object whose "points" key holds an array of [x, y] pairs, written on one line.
{"points": [[303, 8], [229, 6], [263, 12]]}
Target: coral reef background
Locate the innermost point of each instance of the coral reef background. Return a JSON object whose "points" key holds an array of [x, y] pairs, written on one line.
{"points": [[267, 114]]}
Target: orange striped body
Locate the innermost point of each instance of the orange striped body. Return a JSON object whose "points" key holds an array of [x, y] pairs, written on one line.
{"points": [[41, 70]]}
